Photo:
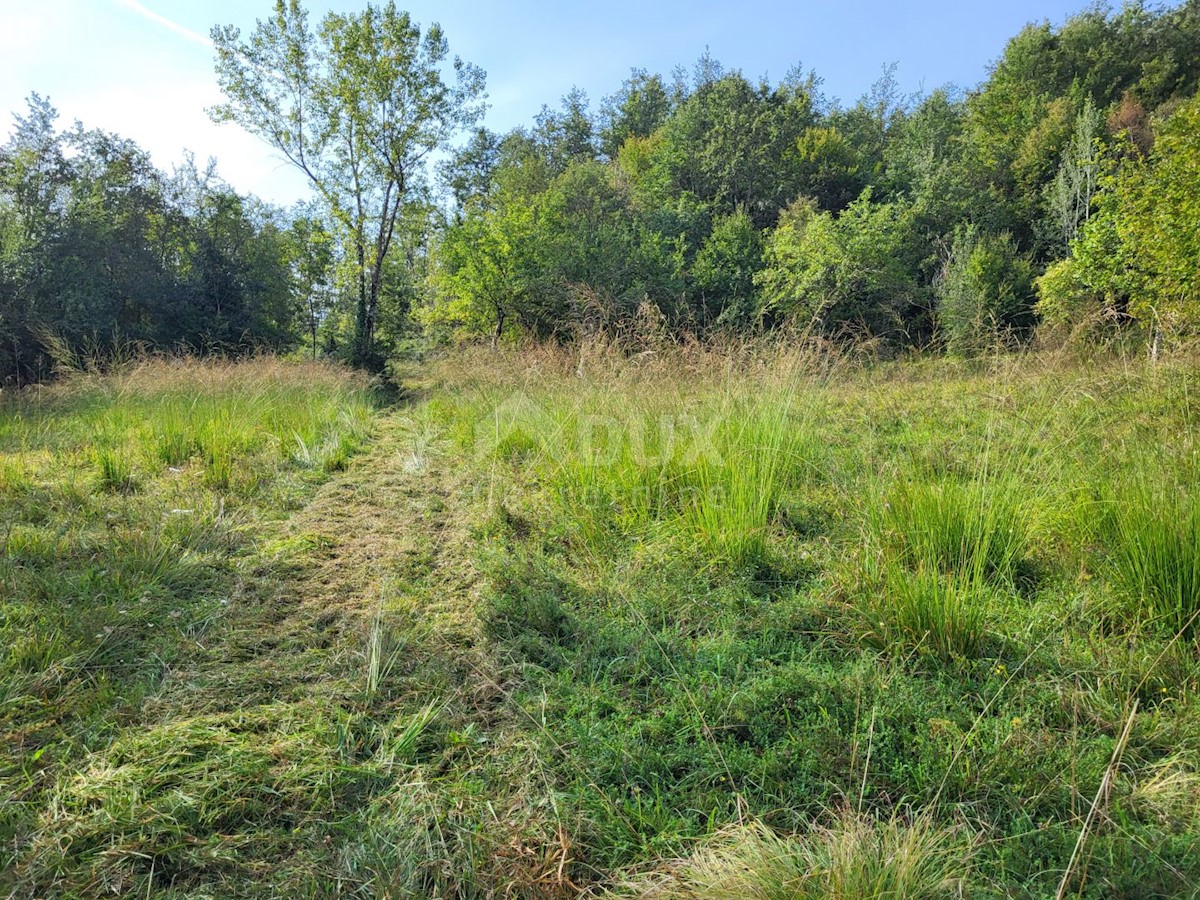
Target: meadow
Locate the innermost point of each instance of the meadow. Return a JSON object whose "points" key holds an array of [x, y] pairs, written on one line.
{"points": [[756, 621]]}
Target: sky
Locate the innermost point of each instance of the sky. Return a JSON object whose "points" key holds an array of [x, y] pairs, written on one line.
{"points": [[143, 68]]}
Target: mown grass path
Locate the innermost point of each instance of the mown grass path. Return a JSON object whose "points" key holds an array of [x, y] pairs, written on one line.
{"points": [[335, 728], [301, 624]]}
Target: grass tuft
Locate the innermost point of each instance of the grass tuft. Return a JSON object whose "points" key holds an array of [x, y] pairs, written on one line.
{"points": [[976, 527], [856, 859], [930, 612], [1152, 530], [114, 469]]}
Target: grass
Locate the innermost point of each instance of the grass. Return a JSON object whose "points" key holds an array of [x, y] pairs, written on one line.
{"points": [[115, 469], [1152, 529], [975, 527], [856, 857], [930, 611], [868, 585], [710, 621], [130, 503]]}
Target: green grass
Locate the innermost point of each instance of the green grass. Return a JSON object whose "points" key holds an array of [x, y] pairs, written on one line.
{"points": [[114, 469], [1152, 529], [130, 504], [871, 587], [711, 622], [976, 527], [932, 612]]}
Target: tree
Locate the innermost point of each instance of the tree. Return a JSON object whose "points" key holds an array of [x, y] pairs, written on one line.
{"points": [[732, 144], [1069, 196], [310, 253], [468, 173], [1136, 255], [637, 110], [854, 271], [357, 106], [568, 135]]}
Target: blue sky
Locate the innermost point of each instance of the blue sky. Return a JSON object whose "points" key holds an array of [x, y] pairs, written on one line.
{"points": [[143, 68]]}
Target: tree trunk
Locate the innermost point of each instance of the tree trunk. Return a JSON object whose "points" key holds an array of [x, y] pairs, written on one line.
{"points": [[362, 334], [500, 317]]}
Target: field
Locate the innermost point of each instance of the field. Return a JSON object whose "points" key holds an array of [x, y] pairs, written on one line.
{"points": [[754, 622]]}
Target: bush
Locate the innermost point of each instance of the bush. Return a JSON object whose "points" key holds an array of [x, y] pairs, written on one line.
{"points": [[984, 293]]}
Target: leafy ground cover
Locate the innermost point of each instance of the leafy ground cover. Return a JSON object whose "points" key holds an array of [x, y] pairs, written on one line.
{"points": [[750, 622]]}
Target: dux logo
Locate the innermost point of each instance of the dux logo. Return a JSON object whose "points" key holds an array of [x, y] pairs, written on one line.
{"points": [[520, 426]]}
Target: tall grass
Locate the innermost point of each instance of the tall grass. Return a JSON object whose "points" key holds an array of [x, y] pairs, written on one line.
{"points": [[708, 468], [856, 859], [1152, 529], [930, 611], [976, 527], [114, 468], [760, 453]]}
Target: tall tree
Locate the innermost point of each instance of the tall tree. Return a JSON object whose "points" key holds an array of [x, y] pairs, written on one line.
{"points": [[357, 106]]}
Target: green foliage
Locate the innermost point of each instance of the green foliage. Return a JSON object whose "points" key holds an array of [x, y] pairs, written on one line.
{"points": [[984, 292], [356, 106], [1069, 196], [1135, 255], [637, 110], [850, 272], [724, 271], [731, 144], [865, 214], [99, 249], [1159, 224]]}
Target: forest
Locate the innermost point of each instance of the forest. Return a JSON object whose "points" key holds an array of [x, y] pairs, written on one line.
{"points": [[1056, 198]]}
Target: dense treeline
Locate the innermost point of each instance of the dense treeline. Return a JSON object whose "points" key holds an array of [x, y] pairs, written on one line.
{"points": [[717, 202], [1065, 189], [97, 246]]}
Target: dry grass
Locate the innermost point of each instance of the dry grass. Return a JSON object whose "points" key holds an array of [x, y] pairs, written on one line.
{"points": [[857, 858]]}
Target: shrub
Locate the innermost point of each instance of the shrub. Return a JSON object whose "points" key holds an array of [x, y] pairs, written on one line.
{"points": [[985, 290]]}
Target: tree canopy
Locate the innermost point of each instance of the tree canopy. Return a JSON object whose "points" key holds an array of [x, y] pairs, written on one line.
{"points": [[357, 106], [1060, 190]]}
